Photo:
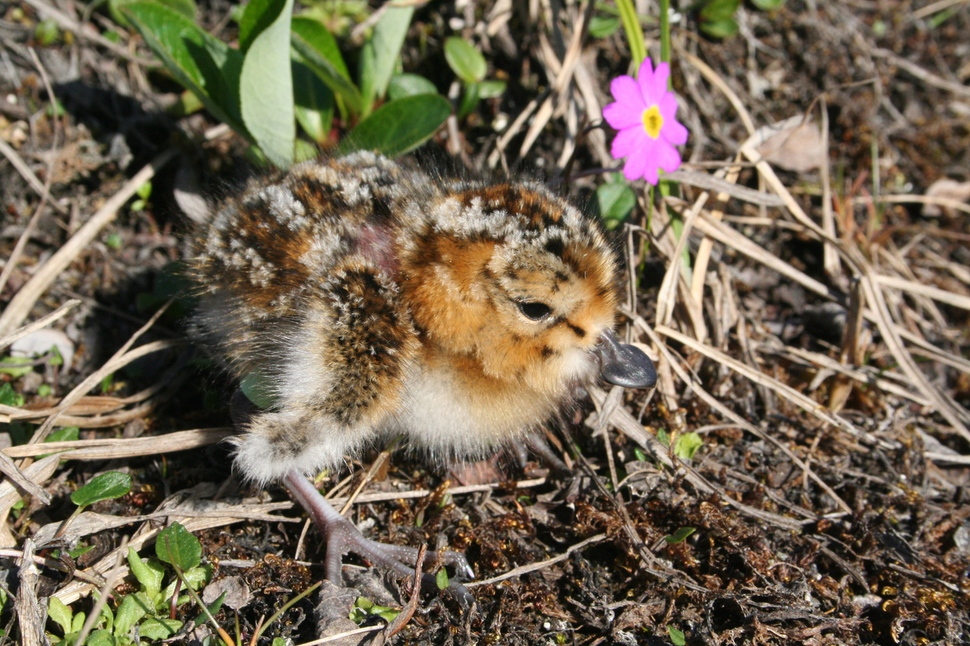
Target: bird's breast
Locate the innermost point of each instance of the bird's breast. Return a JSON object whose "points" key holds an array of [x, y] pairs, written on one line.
{"points": [[453, 412]]}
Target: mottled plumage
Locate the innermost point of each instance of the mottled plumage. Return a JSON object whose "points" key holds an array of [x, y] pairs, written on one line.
{"points": [[376, 301]]}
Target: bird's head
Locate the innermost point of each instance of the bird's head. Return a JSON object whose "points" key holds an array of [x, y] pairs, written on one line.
{"points": [[513, 280]]}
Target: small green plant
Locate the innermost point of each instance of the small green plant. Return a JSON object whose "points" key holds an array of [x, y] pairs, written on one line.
{"points": [[364, 608], [680, 535], [15, 367], [106, 486], [615, 201], [289, 69], [716, 17], [677, 637], [470, 67], [142, 194], [685, 444], [150, 608]]}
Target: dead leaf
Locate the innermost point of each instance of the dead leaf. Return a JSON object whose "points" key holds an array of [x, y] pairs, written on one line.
{"points": [[797, 148]]}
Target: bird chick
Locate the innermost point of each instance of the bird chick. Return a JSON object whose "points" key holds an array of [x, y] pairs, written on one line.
{"points": [[373, 301]]}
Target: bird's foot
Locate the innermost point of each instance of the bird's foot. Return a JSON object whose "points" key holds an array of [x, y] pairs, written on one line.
{"points": [[344, 538]]}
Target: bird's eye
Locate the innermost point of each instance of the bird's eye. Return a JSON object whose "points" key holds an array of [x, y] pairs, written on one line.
{"points": [[533, 310]]}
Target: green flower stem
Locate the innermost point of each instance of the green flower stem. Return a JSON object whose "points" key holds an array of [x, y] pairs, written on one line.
{"points": [[665, 33], [631, 27], [223, 635]]}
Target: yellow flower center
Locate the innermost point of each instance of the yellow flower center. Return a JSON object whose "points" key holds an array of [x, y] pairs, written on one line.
{"points": [[653, 121]]}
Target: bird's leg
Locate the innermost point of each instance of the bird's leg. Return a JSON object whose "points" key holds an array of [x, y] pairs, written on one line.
{"points": [[343, 537]]}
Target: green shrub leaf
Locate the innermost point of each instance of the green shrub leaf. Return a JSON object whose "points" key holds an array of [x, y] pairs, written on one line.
{"points": [[319, 51], [398, 126], [257, 16], [103, 487], [313, 103], [381, 53], [491, 89], [465, 61], [175, 545], [615, 200], [720, 28], [183, 7], [403, 85], [202, 64], [266, 86]]}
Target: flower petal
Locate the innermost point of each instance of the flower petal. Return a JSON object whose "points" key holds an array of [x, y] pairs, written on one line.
{"points": [[654, 86], [623, 115], [668, 106], [666, 157], [641, 161], [626, 91], [634, 167], [626, 142], [674, 132]]}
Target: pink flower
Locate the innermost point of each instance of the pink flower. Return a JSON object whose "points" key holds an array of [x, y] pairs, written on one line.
{"points": [[647, 128]]}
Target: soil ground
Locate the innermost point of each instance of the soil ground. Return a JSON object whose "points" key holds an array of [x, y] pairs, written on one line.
{"points": [[817, 342]]}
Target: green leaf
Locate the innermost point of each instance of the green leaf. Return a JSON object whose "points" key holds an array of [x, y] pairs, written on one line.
{"points": [[615, 201], [768, 5], [100, 637], [60, 613], [403, 85], [103, 487], [15, 367], [257, 16], [364, 608], [319, 51], [313, 103], [398, 126], [259, 389], [381, 53], [46, 32], [687, 444], [266, 88], [196, 577], [491, 89], [603, 26], [714, 10], [720, 28], [177, 546], [80, 551], [441, 579], [465, 61], [158, 628], [66, 434], [676, 637], [680, 535], [55, 359], [469, 100], [148, 573], [202, 64], [183, 7], [129, 613], [213, 609]]}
